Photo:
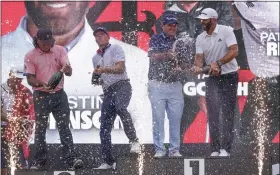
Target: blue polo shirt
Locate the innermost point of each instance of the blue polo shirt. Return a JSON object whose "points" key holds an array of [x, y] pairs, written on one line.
{"points": [[161, 69]]}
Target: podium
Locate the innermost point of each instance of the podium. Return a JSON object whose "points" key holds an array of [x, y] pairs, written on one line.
{"points": [[194, 162], [144, 165]]}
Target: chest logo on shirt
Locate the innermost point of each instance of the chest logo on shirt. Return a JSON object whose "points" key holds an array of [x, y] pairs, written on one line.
{"points": [[219, 40]]}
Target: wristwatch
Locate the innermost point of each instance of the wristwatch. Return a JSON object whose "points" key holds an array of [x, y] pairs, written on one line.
{"points": [[219, 62]]}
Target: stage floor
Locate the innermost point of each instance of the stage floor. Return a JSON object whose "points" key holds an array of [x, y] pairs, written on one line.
{"points": [[245, 159]]}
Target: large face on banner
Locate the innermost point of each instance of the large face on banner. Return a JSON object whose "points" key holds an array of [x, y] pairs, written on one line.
{"points": [[61, 17]]}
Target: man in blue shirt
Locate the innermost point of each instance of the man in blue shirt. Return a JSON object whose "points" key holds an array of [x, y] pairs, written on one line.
{"points": [[164, 89]]}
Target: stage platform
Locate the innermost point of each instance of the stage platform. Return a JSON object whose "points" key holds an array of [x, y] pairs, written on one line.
{"points": [[194, 162]]}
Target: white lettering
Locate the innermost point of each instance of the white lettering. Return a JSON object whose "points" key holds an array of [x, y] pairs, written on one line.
{"points": [[273, 49], [84, 98], [98, 102], [264, 35], [86, 121], [75, 120], [95, 119], [242, 88], [72, 102]]}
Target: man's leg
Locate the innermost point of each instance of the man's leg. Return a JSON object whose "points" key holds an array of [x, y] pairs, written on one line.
{"points": [[158, 101], [213, 109], [108, 115], [228, 96], [41, 106], [122, 99], [61, 113], [175, 105]]}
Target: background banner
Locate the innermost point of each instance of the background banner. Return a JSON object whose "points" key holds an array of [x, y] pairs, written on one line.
{"points": [[130, 24]]}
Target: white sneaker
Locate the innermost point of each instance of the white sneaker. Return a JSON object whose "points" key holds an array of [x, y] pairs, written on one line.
{"points": [[135, 147], [106, 166], [174, 154], [224, 153], [160, 154], [215, 153]]}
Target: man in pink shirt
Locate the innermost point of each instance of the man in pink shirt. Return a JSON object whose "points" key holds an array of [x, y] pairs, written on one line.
{"points": [[40, 64]]}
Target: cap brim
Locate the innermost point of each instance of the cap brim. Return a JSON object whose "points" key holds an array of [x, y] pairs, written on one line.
{"points": [[171, 22], [203, 17], [49, 41], [100, 30]]}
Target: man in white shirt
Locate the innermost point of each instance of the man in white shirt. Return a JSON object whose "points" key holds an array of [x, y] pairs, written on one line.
{"points": [[70, 28], [217, 47], [259, 22]]}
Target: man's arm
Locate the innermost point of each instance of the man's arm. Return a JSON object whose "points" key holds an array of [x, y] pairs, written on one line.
{"points": [[32, 81], [153, 52], [3, 116], [232, 47], [198, 61], [118, 68], [162, 55], [67, 69], [232, 53]]}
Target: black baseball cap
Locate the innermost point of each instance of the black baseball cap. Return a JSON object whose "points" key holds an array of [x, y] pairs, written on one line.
{"points": [[103, 29], [45, 35]]}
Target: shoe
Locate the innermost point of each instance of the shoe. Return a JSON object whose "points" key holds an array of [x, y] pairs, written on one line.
{"points": [[36, 167], [160, 154], [106, 166], [175, 153], [77, 163], [224, 153], [214, 154], [135, 147]]}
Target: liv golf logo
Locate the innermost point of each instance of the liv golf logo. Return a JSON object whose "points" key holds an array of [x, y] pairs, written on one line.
{"points": [[272, 40]]}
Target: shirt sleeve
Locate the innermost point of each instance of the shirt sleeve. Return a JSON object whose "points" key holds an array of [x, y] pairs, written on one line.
{"points": [[64, 57], [230, 37], [94, 61], [29, 67], [198, 46], [119, 54]]}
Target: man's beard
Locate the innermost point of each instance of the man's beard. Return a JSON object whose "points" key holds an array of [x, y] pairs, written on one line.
{"points": [[207, 26], [58, 25]]}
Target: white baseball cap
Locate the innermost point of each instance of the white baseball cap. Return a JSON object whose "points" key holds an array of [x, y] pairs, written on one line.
{"points": [[17, 72], [208, 13]]}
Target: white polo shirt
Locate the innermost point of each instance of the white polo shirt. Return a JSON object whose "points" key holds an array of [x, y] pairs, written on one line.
{"points": [[215, 46], [111, 56]]}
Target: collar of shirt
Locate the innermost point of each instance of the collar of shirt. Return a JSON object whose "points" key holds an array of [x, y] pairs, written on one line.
{"points": [[23, 26], [41, 52], [216, 31], [168, 37]]}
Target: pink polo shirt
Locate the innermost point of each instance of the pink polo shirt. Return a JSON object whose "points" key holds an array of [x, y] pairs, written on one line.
{"points": [[44, 65]]}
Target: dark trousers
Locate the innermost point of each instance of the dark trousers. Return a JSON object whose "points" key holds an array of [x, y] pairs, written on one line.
{"points": [[44, 104], [115, 102], [221, 94], [260, 115]]}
